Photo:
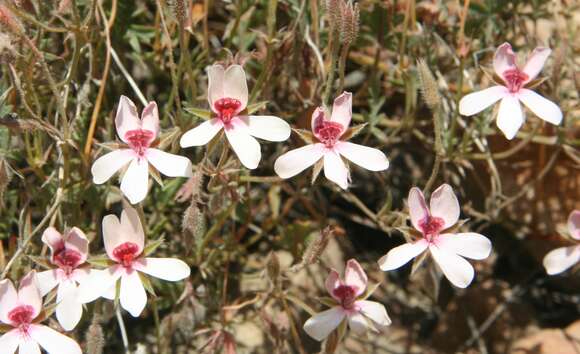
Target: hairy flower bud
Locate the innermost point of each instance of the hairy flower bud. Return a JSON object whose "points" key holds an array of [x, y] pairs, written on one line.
{"points": [[428, 86], [349, 22]]}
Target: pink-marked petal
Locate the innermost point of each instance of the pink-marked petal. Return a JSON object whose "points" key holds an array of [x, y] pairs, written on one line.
{"points": [[68, 309], [375, 311], [355, 276], [244, 145], [77, 240], [236, 85], [133, 296], [334, 169], [53, 239], [150, 119], [332, 282], [510, 116], [504, 59], [574, 224], [444, 204], [357, 323], [28, 293], [169, 164], [9, 341], [536, 62], [401, 255], [202, 134], [132, 229], [476, 102], [135, 182], [318, 117], [107, 165], [295, 161], [455, 268], [342, 110], [320, 325], [112, 236], [169, 269], [97, 283], [127, 118], [30, 346], [561, 259], [8, 299], [269, 128], [542, 107], [215, 88], [366, 157], [469, 244], [54, 342], [417, 207], [47, 280]]}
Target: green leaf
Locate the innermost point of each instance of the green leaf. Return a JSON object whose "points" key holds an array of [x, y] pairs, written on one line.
{"points": [[254, 107], [198, 112], [100, 261], [305, 135], [370, 290], [147, 284], [43, 262], [301, 304], [328, 301], [152, 246]]}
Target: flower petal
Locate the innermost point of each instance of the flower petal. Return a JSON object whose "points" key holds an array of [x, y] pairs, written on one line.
{"points": [[469, 244], [542, 107], [170, 269], [68, 309], [8, 299], [30, 346], [342, 110], [9, 341], [97, 283], [133, 296], [318, 117], [54, 342], [332, 282], [295, 161], [107, 165], [455, 268], [150, 119], [132, 229], [504, 59], [401, 255], [127, 118], [444, 205], [357, 323], [366, 157], [320, 325], [355, 276], [244, 145], [202, 134], [334, 169], [53, 239], [29, 294], [375, 311], [77, 240], [560, 259], [236, 85], [417, 207], [46, 281], [215, 87], [574, 224], [476, 102], [269, 128], [111, 234], [136, 181], [169, 164], [510, 116], [536, 62]]}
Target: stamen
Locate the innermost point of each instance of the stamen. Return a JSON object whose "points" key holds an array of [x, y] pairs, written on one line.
{"points": [[227, 108], [346, 294], [139, 140], [21, 316], [431, 226], [126, 253], [514, 79], [327, 132], [67, 259]]}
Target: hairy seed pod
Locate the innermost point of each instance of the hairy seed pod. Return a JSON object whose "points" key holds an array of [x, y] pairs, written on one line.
{"points": [[428, 86], [95, 338]]}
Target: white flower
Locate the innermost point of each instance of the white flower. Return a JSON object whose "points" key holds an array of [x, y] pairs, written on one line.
{"points": [[510, 117], [560, 259], [124, 242], [447, 249], [328, 131], [361, 314], [19, 309], [228, 98], [139, 135], [69, 253]]}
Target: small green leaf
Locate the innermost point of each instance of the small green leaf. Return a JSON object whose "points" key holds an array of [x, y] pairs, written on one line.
{"points": [[43, 262], [198, 112], [328, 301], [370, 290], [100, 261], [254, 107], [147, 284], [152, 246], [301, 304], [305, 135]]}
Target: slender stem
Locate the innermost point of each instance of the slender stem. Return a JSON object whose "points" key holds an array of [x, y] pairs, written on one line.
{"points": [[438, 150], [331, 71], [122, 329]]}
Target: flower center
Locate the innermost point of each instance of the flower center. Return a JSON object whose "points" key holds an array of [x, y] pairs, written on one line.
{"points": [[346, 294], [21, 316], [67, 259], [139, 140], [227, 108], [431, 226], [327, 132], [125, 253], [515, 79]]}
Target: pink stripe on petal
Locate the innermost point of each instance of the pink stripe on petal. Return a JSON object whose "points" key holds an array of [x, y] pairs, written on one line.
{"points": [[355, 276], [444, 204], [332, 282], [77, 240], [126, 118], [28, 293], [215, 88], [131, 229], [342, 110], [417, 207], [8, 299], [504, 59], [150, 119], [236, 86], [53, 239]]}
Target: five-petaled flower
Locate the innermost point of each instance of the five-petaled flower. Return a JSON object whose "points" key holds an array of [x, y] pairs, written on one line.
{"points": [[19, 310], [328, 131], [513, 90], [447, 249], [140, 136], [124, 242], [228, 98], [361, 314], [69, 254], [560, 259]]}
